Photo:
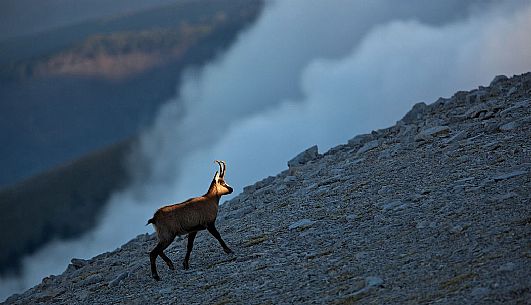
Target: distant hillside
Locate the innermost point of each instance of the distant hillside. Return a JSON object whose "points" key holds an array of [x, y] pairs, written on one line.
{"points": [[22, 17], [73, 90], [170, 16], [58, 204], [432, 210]]}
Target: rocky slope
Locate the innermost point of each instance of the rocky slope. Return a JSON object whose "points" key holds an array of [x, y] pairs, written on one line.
{"points": [[432, 210]]}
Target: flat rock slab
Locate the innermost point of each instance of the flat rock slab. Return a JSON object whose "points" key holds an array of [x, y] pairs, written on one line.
{"points": [[301, 224], [437, 131], [509, 175], [368, 146]]}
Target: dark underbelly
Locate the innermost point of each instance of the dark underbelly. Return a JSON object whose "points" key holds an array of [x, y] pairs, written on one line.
{"points": [[195, 229]]}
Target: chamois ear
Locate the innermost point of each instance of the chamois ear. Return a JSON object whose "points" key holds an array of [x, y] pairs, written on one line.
{"points": [[216, 176]]}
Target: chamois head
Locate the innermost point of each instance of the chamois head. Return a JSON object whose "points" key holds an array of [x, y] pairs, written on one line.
{"points": [[218, 186]]}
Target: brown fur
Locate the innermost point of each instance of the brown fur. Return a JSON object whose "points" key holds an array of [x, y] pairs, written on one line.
{"points": [[183, 218], [188, 217]]}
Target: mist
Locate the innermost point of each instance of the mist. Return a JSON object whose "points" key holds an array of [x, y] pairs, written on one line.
{"points": [[308, 72]]}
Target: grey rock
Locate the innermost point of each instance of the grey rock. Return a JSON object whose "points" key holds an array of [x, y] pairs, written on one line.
{"points": [[516, 107], [456, 229], [385, 189], [387, 153], [82, 295], [330, 180], [249, 189], [394, 205], [512, 91], [374, 281], [503, 197], [92, 279], [281, 188], [115, 282], [492, 145], [426, 224], [475, 96], [460, 135], [509, 126], [480, 292], [415, 114], [497, 79], [507, 267], [301, 224], [362, 255], [477, 111], [166, 290], [264, 182], [368, 146], [407, 131], [509, 175], [363, 288], [351, 217], [429, 133], [464, 180], [78, 263], [360, 139], [304, 157], [290, 180], [356, 161]]}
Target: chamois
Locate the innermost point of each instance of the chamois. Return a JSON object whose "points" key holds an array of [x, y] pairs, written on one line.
{"points": [[189, 217]]}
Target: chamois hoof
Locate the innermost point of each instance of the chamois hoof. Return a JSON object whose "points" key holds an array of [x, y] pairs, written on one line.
{"points": [[171, 266], [186, 265], [228, 251], [156, 277]]}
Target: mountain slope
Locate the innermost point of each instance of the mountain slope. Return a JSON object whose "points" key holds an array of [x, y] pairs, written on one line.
{"points": [[432, 210]]}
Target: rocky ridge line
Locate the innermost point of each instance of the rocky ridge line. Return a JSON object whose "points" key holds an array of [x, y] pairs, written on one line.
{"points": [[432, 210]]}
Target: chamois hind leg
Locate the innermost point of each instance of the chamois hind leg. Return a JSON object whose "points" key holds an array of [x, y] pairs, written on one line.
{"points": [[189, 246], [167, 260], [212, 229], [156, 252]]}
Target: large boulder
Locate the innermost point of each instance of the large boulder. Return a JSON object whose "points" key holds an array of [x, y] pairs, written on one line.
{"points": [[305, 156], [415, 114]]}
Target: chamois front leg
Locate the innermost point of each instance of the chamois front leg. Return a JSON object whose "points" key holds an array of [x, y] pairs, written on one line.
{"points": [[211, 227], [189, 246]]}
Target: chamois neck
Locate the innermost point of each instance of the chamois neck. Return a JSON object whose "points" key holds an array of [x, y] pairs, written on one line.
{"points": [[212, 191]]}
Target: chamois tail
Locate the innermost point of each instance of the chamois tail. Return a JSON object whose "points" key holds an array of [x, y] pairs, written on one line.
{"points": [[150, 221]]}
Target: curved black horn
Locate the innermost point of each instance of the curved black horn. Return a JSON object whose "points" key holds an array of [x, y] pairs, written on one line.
{"points": [[224, 168], [221, 170]]}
